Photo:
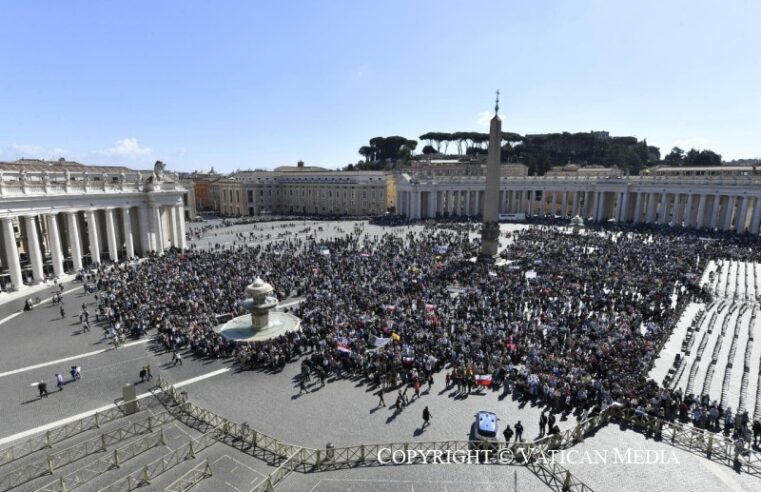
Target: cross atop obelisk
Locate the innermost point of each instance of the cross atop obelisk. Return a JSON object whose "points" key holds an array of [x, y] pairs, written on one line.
{"points": [[490, 227]]}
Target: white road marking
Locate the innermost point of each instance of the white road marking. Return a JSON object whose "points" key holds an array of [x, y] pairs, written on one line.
{"points": [[73, 357], [10, 317], [89, 413]]}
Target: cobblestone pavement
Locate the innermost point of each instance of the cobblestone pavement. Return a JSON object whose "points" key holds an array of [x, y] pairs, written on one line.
{"points": [[344, 412]]}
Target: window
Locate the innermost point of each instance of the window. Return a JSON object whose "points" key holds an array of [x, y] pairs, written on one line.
{"points": [[250, 196]]}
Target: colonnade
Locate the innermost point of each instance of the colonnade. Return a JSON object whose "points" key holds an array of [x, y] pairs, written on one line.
{"points": [[712, 206], [34, 245]]}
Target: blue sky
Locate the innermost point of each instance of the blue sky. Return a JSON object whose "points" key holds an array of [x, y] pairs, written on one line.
{"points": [[245, 84]]}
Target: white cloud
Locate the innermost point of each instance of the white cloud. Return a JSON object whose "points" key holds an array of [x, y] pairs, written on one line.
{"points": [[484, 118], [127, 148], [700, 143], [17, 151]]}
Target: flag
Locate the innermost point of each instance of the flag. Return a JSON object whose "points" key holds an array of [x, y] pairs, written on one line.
{"points": [[342, 345], [381, 342], [483, 380]]}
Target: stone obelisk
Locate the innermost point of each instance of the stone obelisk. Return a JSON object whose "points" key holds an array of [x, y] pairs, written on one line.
{"points": [[490, 227]]}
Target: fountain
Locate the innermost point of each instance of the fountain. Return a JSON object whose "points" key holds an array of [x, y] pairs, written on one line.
{"points": [[577, 223], [263, 322]]}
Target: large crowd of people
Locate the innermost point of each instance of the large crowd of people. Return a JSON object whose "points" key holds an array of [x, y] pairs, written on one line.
{"points": [[573, 321]]}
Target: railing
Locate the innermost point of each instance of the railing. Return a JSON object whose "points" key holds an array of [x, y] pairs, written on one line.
{"points": [[713, 446], [274, 478], [98, 467], [198, 473], [152, 470], [306, 459], [54, 436]]}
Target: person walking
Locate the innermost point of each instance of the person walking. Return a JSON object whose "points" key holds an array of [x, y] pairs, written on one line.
{"points": [[381, 401], [148, 375], [426, 417], [518, 431], [59, 381], [542, 424], [176, 358], [43, 389], [303, 385]]}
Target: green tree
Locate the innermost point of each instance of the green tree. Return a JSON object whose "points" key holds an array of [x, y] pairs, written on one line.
{"points": [[675, 157]]}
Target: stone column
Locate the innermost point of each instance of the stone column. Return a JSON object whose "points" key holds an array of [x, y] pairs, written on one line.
{"points": [[700, 218], [172, 232], [113, 250], [158, 233], [146, 234], [129, 242], [72, 225], [598, 206], [543, 206], [727, 224], [664, 208], [33, 244], [182, 241], [11, 250], [650, 214], [637, 209], [586, 211], [92, 236], [56, 253], [531, 200], [742, 216], [675, 215], [755, 219], [467, 203], [565, 203], [715, 210], [687, 215], [624, 208], [619, 197], [576, 197]]}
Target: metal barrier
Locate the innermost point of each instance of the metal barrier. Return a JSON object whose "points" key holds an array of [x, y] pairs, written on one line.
{"points": [[198, 473], [98, 467], [152, 470], [54, 436], [274, 478], [306, 459], [54, 461], [713, 446]]}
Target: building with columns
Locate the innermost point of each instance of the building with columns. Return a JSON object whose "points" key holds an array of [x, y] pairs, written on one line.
{"points": [[58, 217], [703, 202]]}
